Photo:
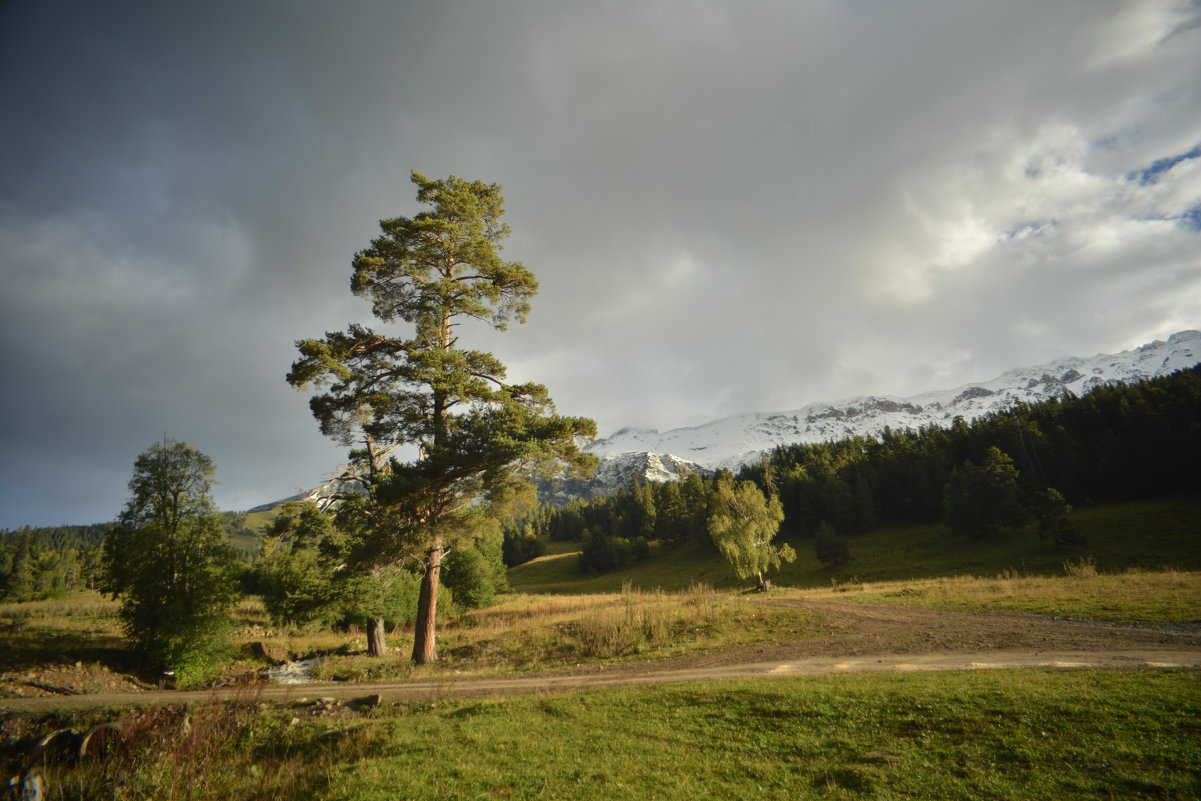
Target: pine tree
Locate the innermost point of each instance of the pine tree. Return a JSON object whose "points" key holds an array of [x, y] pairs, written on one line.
{"points": [[642, 510], [22, 582], [1051, 511], [980, 500], [477, 437]]}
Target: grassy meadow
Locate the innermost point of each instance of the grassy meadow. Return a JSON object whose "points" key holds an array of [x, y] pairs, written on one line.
{"points": [[967, 735], [1134, 595], [1064, 734], [526, 633], [559, 618]]}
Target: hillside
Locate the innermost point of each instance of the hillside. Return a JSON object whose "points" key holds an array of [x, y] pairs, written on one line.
{"points": [[1146, 534]]}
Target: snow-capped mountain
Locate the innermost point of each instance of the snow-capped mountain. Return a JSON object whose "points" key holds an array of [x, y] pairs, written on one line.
{"points": [[734, 441], [616, 471]]}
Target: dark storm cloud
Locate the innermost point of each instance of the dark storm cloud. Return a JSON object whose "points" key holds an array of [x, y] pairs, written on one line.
{"points": [[730, 207]]}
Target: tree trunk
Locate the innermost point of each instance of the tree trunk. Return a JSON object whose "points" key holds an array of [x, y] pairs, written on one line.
{"points": [[377, 644], [425, 647]]}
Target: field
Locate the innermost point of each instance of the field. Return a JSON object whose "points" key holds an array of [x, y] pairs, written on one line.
{"points": [[1063, 734], [999, 735], [1135, 594]]}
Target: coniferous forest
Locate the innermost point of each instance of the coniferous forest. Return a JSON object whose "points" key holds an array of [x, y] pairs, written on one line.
{"points": [[1025, 465]]}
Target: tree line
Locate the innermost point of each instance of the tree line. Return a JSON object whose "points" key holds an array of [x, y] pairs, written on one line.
{"points": [[50, 561], [43, 562], [1024, 465], [1118, 442]]}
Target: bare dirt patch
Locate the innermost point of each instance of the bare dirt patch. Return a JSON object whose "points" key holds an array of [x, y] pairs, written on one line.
{"points": [[66, 679]]}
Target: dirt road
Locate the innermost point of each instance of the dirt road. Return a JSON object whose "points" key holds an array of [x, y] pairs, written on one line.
{"points": [[854, 638]]}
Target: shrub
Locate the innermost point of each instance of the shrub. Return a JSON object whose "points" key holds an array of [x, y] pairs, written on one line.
{"points": [[468, 574], [831, 549]]}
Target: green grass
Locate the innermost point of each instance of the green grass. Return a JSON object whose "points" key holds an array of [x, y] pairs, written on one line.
{"points": [[668, 568], [997, 734], [1162, 533]]}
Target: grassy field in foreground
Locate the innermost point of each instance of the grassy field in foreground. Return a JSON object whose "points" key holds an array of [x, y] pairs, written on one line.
{"points": [[1150, 534], [996, 735]]}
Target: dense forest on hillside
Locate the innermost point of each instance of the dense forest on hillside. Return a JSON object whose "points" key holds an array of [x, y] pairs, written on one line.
{"points": [[49, 561], [46, 562], [1118, 442]]}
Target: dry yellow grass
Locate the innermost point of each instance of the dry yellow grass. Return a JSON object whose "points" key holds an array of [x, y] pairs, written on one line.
{"points": [[78, 612], [528, 632], [1083, 592]]}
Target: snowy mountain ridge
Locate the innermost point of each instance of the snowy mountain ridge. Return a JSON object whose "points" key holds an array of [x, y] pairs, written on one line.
{"points": [[615, 472], [741, 439]]}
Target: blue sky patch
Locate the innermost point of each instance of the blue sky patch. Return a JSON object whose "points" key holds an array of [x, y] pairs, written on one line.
{"points": [[1191, 219], [1151, 174]]}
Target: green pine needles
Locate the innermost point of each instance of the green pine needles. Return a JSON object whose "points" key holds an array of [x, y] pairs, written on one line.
{"points": [[479, 439]]}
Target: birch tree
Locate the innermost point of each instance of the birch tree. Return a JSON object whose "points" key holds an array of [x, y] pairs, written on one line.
{"points": [[742, 523]]}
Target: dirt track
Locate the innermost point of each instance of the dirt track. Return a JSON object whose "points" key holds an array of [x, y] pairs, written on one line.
{"points": [[855, 638]]}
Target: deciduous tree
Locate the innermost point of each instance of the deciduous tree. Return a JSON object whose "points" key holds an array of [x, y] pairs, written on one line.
{"points": [[831, 549], [167, 560], [743, 522]]}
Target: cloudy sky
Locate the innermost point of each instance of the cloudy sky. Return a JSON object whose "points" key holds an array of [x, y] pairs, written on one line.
{"points": [[730, 206]]}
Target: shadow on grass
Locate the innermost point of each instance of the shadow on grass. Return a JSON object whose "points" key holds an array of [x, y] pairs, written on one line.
{"points": [[33, 647]]}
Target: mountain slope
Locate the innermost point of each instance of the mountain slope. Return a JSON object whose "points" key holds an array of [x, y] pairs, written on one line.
{"points": [[734, 441]]}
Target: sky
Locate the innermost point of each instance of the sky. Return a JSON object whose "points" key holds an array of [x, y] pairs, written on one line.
{"points": [[729, 206]]}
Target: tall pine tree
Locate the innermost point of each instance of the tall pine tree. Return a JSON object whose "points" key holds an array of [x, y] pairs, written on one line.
{"points": [[478, 438]]}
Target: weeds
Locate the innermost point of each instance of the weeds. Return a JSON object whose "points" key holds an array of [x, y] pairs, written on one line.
{"points": [[182, 752], [850, 585], [1083, 568], [541, 632], [642, 621]]}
